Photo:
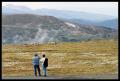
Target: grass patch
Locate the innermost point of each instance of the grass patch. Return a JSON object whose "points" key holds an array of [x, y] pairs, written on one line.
{"points": [[67, 58]]}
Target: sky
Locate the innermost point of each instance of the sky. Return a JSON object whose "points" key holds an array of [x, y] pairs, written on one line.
{"points": [[106, 8]]}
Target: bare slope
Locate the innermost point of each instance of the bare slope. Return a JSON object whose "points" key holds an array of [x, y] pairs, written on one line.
{"points": [[29, 28]]}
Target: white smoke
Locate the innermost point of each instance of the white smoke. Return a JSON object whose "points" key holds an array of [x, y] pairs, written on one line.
{"points": [[41, 36], [51, 39], [44, 36], [17, 38]]}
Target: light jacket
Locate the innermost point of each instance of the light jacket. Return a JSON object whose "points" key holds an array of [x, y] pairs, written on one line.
{"points": [[36, 60]]}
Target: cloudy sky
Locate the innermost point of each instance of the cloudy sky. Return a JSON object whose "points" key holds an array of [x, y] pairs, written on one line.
{"points": [[106, 8]]}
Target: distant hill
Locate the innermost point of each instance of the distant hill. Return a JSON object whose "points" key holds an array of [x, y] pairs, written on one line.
{"points": [[73, 16], [113, 23], [30, 28], [109, 23], [11, 9]]}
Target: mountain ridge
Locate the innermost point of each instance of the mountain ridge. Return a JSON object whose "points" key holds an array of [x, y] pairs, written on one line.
{"points": [[74, 16], [30, 28], [57, 13]]}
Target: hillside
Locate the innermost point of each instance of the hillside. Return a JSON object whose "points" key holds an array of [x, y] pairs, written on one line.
{"points": [[74, 16], [112, 23], [29, 28], [109, 23]]}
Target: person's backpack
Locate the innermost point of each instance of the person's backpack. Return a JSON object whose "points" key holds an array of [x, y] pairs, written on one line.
{"points": [[46, 62]]}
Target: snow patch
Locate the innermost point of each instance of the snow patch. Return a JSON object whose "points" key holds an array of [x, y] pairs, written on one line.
{"points": [[70, 24]]}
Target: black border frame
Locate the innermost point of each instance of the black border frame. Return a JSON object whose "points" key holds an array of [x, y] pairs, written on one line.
{"points": [[59, 1]]}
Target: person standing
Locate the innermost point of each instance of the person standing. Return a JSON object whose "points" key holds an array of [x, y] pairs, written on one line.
{"points": [[44, 61], [35, 62]]}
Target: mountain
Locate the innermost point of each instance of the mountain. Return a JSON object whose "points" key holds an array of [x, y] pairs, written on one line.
{"points": [[112, 23], [11, 9], [80, 21], [31, 28], [72, 16], [109, 23]]}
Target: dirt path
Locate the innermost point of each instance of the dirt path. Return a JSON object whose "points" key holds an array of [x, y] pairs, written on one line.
{"points": [[110, 76]]}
